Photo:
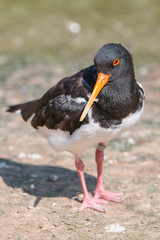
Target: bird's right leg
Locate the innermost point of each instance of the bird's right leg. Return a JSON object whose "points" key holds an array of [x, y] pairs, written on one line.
{"points": [[88, 201], [100, 192]]}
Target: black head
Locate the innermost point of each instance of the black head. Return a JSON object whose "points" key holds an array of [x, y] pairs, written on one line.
{"points": [[113, 59], [114, 64]]}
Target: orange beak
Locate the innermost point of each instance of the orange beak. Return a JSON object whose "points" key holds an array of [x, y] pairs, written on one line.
{"points": [[101, 81]]}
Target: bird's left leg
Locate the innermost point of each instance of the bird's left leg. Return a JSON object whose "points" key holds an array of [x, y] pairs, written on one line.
{"points": [[88, 201], [100, 192]]}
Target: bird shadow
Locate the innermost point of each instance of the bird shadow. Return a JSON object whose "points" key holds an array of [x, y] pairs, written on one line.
{"points": [[43, 180]]}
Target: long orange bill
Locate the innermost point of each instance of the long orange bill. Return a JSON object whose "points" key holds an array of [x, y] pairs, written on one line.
{"points": [[101, 81]]}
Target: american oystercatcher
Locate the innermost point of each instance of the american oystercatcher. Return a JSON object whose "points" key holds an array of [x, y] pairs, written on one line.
{"points": [[93, 106]]}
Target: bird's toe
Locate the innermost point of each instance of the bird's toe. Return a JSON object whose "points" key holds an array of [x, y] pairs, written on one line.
{"points": [[108, 196], [93, 204]]}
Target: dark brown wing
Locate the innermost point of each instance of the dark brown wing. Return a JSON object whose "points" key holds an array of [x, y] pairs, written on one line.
{"points": [[58, 107]]}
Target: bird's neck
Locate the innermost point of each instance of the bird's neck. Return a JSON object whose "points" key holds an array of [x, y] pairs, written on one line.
{"points": [[118, 99]]}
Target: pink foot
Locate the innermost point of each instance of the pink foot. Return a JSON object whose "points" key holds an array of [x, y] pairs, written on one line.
{"points": [[108, 196], [92, 203]]}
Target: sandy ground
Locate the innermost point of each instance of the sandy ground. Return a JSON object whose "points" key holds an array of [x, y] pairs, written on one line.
{"points": [[40, 189]]}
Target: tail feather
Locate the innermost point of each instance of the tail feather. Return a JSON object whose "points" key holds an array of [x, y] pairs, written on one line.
{"points": [[26, 109]]}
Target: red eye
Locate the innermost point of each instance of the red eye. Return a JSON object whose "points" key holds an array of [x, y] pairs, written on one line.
{"points": [[116, 62]]}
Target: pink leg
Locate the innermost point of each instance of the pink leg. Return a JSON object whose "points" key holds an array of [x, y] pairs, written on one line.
{"points": [[100, 192], [88, 201]]}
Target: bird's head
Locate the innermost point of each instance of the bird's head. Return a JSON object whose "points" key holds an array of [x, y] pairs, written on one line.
{"points": [[113, 62]]}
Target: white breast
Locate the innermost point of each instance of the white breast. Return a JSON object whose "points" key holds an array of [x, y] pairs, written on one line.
{"points": [[87, 135]]}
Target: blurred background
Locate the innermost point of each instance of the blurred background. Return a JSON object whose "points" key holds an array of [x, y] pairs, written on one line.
{"points": [[43, 41]]}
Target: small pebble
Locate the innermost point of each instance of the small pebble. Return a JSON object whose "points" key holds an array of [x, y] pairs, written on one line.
{"points": [[30, 207], [74, 27], [131, 141], [115, 228], [32, 186], [111, 161], [29, 155], [33, 175], [41, 226], [80, 197], [4, 165], [16, 213], [55, 224], [53, 204], [53, 178]]}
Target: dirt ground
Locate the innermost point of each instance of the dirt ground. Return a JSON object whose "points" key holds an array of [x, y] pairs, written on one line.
{"points": [[40, 189]]}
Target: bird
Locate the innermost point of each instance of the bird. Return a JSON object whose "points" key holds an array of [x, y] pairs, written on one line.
{"points": [[91, 107]]}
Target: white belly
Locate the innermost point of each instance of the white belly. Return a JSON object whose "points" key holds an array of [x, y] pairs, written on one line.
{"points": [[87, 135]]}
